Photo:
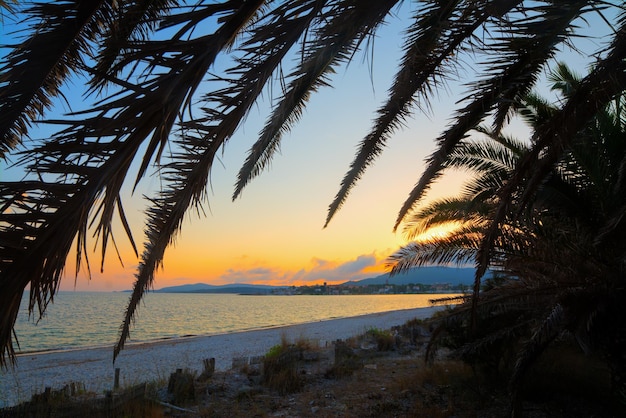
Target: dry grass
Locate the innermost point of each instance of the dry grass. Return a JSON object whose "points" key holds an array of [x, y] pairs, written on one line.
{"points": [[280, 369]]}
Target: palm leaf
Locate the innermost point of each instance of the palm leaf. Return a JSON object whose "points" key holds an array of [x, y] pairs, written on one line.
{"points": [[439, 34], [32, 74], [596, 91], [437, 213], [344, 28], [137, 21], [41, 219], [186, 177], [519, 60], [541, 338]]}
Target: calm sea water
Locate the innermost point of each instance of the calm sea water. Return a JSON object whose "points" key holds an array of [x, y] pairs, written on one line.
{"points": [[84, 319]]}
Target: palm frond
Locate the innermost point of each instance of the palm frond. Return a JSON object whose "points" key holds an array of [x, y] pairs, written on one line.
{"points": [[41, 219], [596, 91], [550, 328], [459, 247], [535, 109], [186, 176], [137, 20], [439, 33], [519, 61], [31, 75], [344, 27], [437, 213], [551, 25]]}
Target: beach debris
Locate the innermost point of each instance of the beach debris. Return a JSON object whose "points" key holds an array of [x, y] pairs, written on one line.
{"points": [[181, 386], [208, 369], [239, 363], [346, 361]]}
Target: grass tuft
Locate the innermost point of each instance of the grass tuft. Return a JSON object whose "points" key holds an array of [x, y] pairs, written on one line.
{"points": [[280, 366], [385, 339]]}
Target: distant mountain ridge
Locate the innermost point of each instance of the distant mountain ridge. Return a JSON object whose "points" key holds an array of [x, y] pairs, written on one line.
{"points": [[241, 288], [421, 275], [424, 275]]}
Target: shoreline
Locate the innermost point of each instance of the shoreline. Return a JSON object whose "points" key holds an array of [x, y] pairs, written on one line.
{"points": [[156, 359], [131, 343]]}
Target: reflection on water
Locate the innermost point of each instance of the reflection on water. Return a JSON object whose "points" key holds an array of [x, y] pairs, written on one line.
{"points": [[79, 319]]}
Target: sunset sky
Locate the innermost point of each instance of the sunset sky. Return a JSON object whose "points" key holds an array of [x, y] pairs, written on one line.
{"points": [[274, 233]]}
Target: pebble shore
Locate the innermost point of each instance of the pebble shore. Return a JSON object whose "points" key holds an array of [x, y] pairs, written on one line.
{"points": [[141, 362]]}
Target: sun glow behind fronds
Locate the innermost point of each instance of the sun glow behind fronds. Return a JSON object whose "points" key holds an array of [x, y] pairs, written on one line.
{"points": [[437, 232]]}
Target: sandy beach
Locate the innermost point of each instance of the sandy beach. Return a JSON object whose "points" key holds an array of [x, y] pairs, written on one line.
{"points": [[140, 362]]}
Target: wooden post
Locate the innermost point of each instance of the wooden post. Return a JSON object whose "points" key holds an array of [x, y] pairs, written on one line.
{"points": [[209, 367], [116, 382]]}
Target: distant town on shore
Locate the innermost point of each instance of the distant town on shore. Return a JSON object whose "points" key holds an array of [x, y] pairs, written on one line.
{"points": [[417, 280]]}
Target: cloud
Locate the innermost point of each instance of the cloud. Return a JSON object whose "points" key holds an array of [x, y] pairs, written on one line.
{"points": [[254, 275], [319, 271], [356, 266]]}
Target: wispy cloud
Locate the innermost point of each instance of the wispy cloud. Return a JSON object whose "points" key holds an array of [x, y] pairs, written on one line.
{"points": [[255, 275]]}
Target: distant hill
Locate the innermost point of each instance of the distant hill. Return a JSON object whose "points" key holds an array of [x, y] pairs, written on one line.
{"points": [[239, 288], [424, 275]]}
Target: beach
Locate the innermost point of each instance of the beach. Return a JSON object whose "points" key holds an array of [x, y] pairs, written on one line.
{"points": [[141, 362]]}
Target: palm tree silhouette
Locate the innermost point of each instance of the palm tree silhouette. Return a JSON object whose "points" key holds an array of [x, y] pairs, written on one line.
{"points": [[559, 256], [146, 60]]}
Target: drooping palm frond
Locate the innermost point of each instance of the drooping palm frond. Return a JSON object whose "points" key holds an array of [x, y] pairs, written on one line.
{"points": [[61, 35], [517, 63], [345, 26], [187, 174], [440, 31], [41, 219]]}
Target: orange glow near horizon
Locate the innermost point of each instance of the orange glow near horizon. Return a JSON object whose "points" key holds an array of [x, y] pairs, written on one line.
{"points": [[259, 241], [212, 250], [221, 266]]}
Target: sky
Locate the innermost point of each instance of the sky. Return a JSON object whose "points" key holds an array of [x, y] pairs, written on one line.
{"points": [[273, 234]]}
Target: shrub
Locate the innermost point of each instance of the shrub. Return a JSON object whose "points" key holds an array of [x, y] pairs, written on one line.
{"points": [[385, 340]]}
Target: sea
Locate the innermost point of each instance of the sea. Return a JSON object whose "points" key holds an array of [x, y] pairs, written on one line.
{"points": [[93, 319]]}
